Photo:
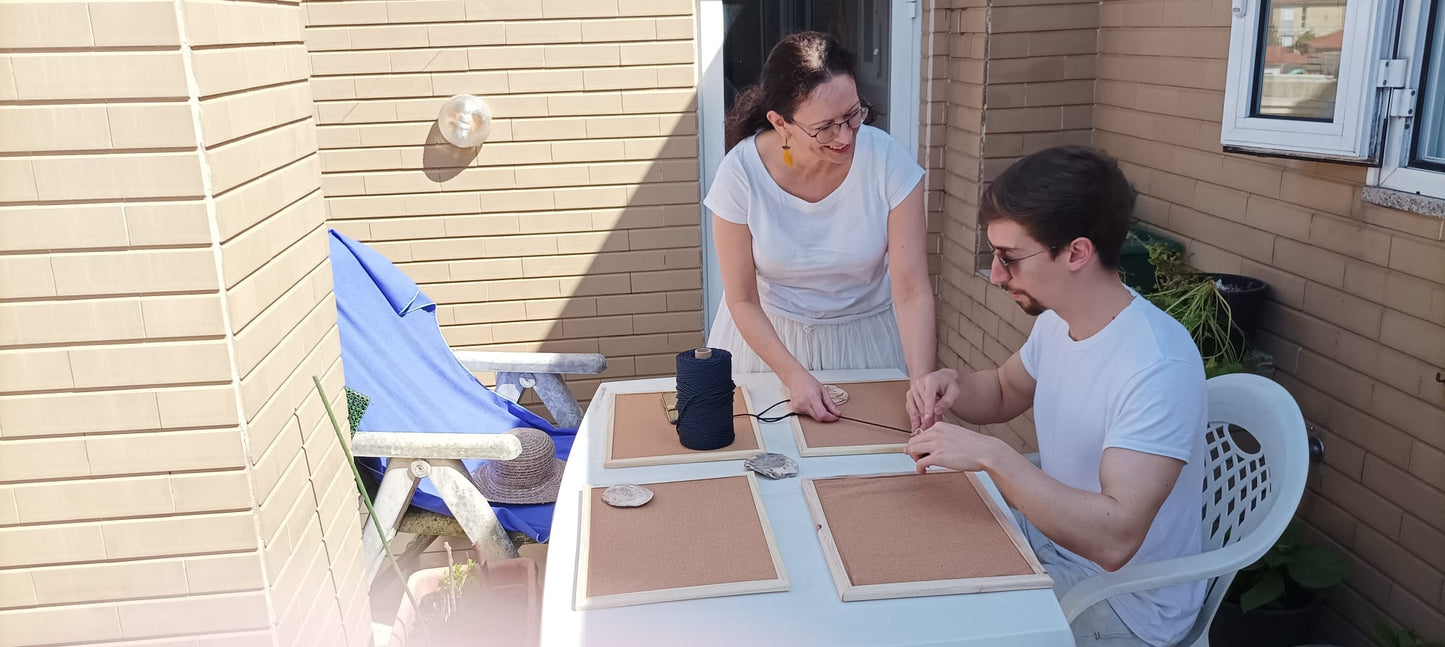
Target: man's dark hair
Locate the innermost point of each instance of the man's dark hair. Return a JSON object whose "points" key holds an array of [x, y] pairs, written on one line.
{"points": [[1063, 193]]}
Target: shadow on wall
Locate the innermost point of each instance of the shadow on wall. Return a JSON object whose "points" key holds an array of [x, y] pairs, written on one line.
{"points": [[586, 236], [442, 161]]}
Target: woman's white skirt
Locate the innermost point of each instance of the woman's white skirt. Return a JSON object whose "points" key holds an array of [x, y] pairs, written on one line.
{"points": [[866, 342]]}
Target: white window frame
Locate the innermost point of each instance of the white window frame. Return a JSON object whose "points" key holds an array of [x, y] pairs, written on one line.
{"points": [[1353, 135], [1395, 171]]}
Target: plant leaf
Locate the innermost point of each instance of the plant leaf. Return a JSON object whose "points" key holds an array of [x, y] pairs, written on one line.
{"points": [[1290, 536], [1269, 589], [1278, 558], [1316, 567], [1383, 634]]}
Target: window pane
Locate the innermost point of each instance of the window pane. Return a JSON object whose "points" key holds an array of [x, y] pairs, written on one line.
{"points": [[1430, 138], [1298, 73]]}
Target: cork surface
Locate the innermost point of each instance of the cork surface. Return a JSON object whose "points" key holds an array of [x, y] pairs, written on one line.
{"points": [[640, 427], [915, 528], [880, 402], [692, 533]]}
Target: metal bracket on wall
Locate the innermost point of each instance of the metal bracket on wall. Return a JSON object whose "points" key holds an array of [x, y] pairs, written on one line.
{"points": [[1316, 446]]}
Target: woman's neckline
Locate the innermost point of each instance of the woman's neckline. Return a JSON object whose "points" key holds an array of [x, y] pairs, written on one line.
{"points": [[837, 190]]}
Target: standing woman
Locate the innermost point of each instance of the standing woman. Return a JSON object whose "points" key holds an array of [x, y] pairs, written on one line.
{"points": [[819, 227]]}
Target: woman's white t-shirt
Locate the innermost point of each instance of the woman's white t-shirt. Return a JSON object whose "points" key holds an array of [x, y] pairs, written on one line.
{"points": [[824, 261]]}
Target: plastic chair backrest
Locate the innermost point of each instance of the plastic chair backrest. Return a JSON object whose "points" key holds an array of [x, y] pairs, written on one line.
{"points": [[1249, 496]]}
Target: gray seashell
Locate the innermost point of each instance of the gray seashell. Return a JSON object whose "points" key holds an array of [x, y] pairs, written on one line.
{"points": [[626, 495], [773, 466]]}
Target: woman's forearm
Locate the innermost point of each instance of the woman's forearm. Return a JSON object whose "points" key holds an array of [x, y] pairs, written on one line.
{"points": [[916, 327], [758, 332]]}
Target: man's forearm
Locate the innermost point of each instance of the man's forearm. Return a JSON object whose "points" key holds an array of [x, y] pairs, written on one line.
{"points": [[1088, 523], [980, 398]]}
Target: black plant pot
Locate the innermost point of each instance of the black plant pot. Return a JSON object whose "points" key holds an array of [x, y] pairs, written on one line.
{"points": [[1263, 627], [1245, 296]]}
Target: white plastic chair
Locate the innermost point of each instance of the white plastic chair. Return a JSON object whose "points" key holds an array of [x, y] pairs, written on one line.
{"points": [[1249, 498]]}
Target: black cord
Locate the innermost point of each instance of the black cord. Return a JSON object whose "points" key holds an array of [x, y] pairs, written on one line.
{"points": [[789, 414]]}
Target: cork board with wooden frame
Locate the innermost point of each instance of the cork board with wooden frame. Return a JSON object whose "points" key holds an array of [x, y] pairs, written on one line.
{"points": [[875, 401], [695, 539], [910, 535], [639, 432]]}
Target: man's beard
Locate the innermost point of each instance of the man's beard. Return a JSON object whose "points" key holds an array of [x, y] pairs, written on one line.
{"points": [[1029, 304]]}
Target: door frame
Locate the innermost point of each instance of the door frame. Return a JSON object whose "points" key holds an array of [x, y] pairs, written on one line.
{"points": [[905, 85]]}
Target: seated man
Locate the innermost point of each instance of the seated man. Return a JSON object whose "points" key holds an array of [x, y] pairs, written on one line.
{"points": [[1117, 388]]}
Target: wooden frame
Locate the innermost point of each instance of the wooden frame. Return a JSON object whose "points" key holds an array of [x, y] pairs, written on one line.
{"points": [[849, 592], [582, 602], [841, 450], [609, 462]]}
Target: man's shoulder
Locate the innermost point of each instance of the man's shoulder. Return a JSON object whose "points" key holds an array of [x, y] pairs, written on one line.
{"points": [[1163, 335]]}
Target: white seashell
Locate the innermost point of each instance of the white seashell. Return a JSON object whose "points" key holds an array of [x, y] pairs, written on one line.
{"points": [[626, 495], [773, 466]]}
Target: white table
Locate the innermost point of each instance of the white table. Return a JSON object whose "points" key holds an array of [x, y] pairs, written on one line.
{"points": [[809, 613]]}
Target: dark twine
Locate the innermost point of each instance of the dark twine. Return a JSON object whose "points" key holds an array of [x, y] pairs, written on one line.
{"points": [[705, 400], [766, 418]]}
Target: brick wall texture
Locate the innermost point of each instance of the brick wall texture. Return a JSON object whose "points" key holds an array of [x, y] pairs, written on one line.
{"points": [[166, 475], [167, 171], [1356, 313], [575, 227]]}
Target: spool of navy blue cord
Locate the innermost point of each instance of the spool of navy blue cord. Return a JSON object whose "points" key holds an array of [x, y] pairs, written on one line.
{"points": [[705, 398]]}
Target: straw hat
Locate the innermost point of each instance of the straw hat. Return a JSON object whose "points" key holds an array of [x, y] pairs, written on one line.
{"points": [[532, 477]]}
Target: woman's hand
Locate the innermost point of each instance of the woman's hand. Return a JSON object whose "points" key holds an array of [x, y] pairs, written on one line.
{"points": [[929, 396], [807, 396]]}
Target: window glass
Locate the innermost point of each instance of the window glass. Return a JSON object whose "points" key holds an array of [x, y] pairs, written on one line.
{"points": [[1429, 141], [1297, 72]]}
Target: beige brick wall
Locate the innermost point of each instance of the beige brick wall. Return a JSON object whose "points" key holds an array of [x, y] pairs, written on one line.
{"points": [[164, 302], [1358, 291], [576, 225], [1356, 315], [1020, 79]]}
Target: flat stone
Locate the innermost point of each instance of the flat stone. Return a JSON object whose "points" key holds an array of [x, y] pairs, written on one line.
{"points": [[626, 495], [838, 395], [773, 466]]}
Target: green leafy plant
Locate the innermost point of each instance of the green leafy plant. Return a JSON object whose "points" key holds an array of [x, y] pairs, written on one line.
{"points": [[1171, 267], [1384, 635], [1196, 301], [1289, 574], [453, 584]]}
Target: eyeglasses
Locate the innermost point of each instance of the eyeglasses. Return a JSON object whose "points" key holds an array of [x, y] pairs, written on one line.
{"points": [[830, 132], [1008, 263]]}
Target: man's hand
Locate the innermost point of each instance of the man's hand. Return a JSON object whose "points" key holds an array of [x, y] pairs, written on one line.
{"points": [[929, 396], [954, 447]]}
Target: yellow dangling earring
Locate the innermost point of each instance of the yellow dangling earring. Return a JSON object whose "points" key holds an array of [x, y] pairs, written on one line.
{"points": [[788, 155]]}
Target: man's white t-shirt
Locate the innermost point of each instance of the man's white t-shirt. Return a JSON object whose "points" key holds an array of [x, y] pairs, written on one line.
{"points": [[1137, 384], [824, 261]]}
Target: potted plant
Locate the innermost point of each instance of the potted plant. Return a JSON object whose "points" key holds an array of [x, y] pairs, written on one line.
{"points": [[477, 603], [1135, 268], [1271, 603], [1216, 309], [1384, 635]]}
